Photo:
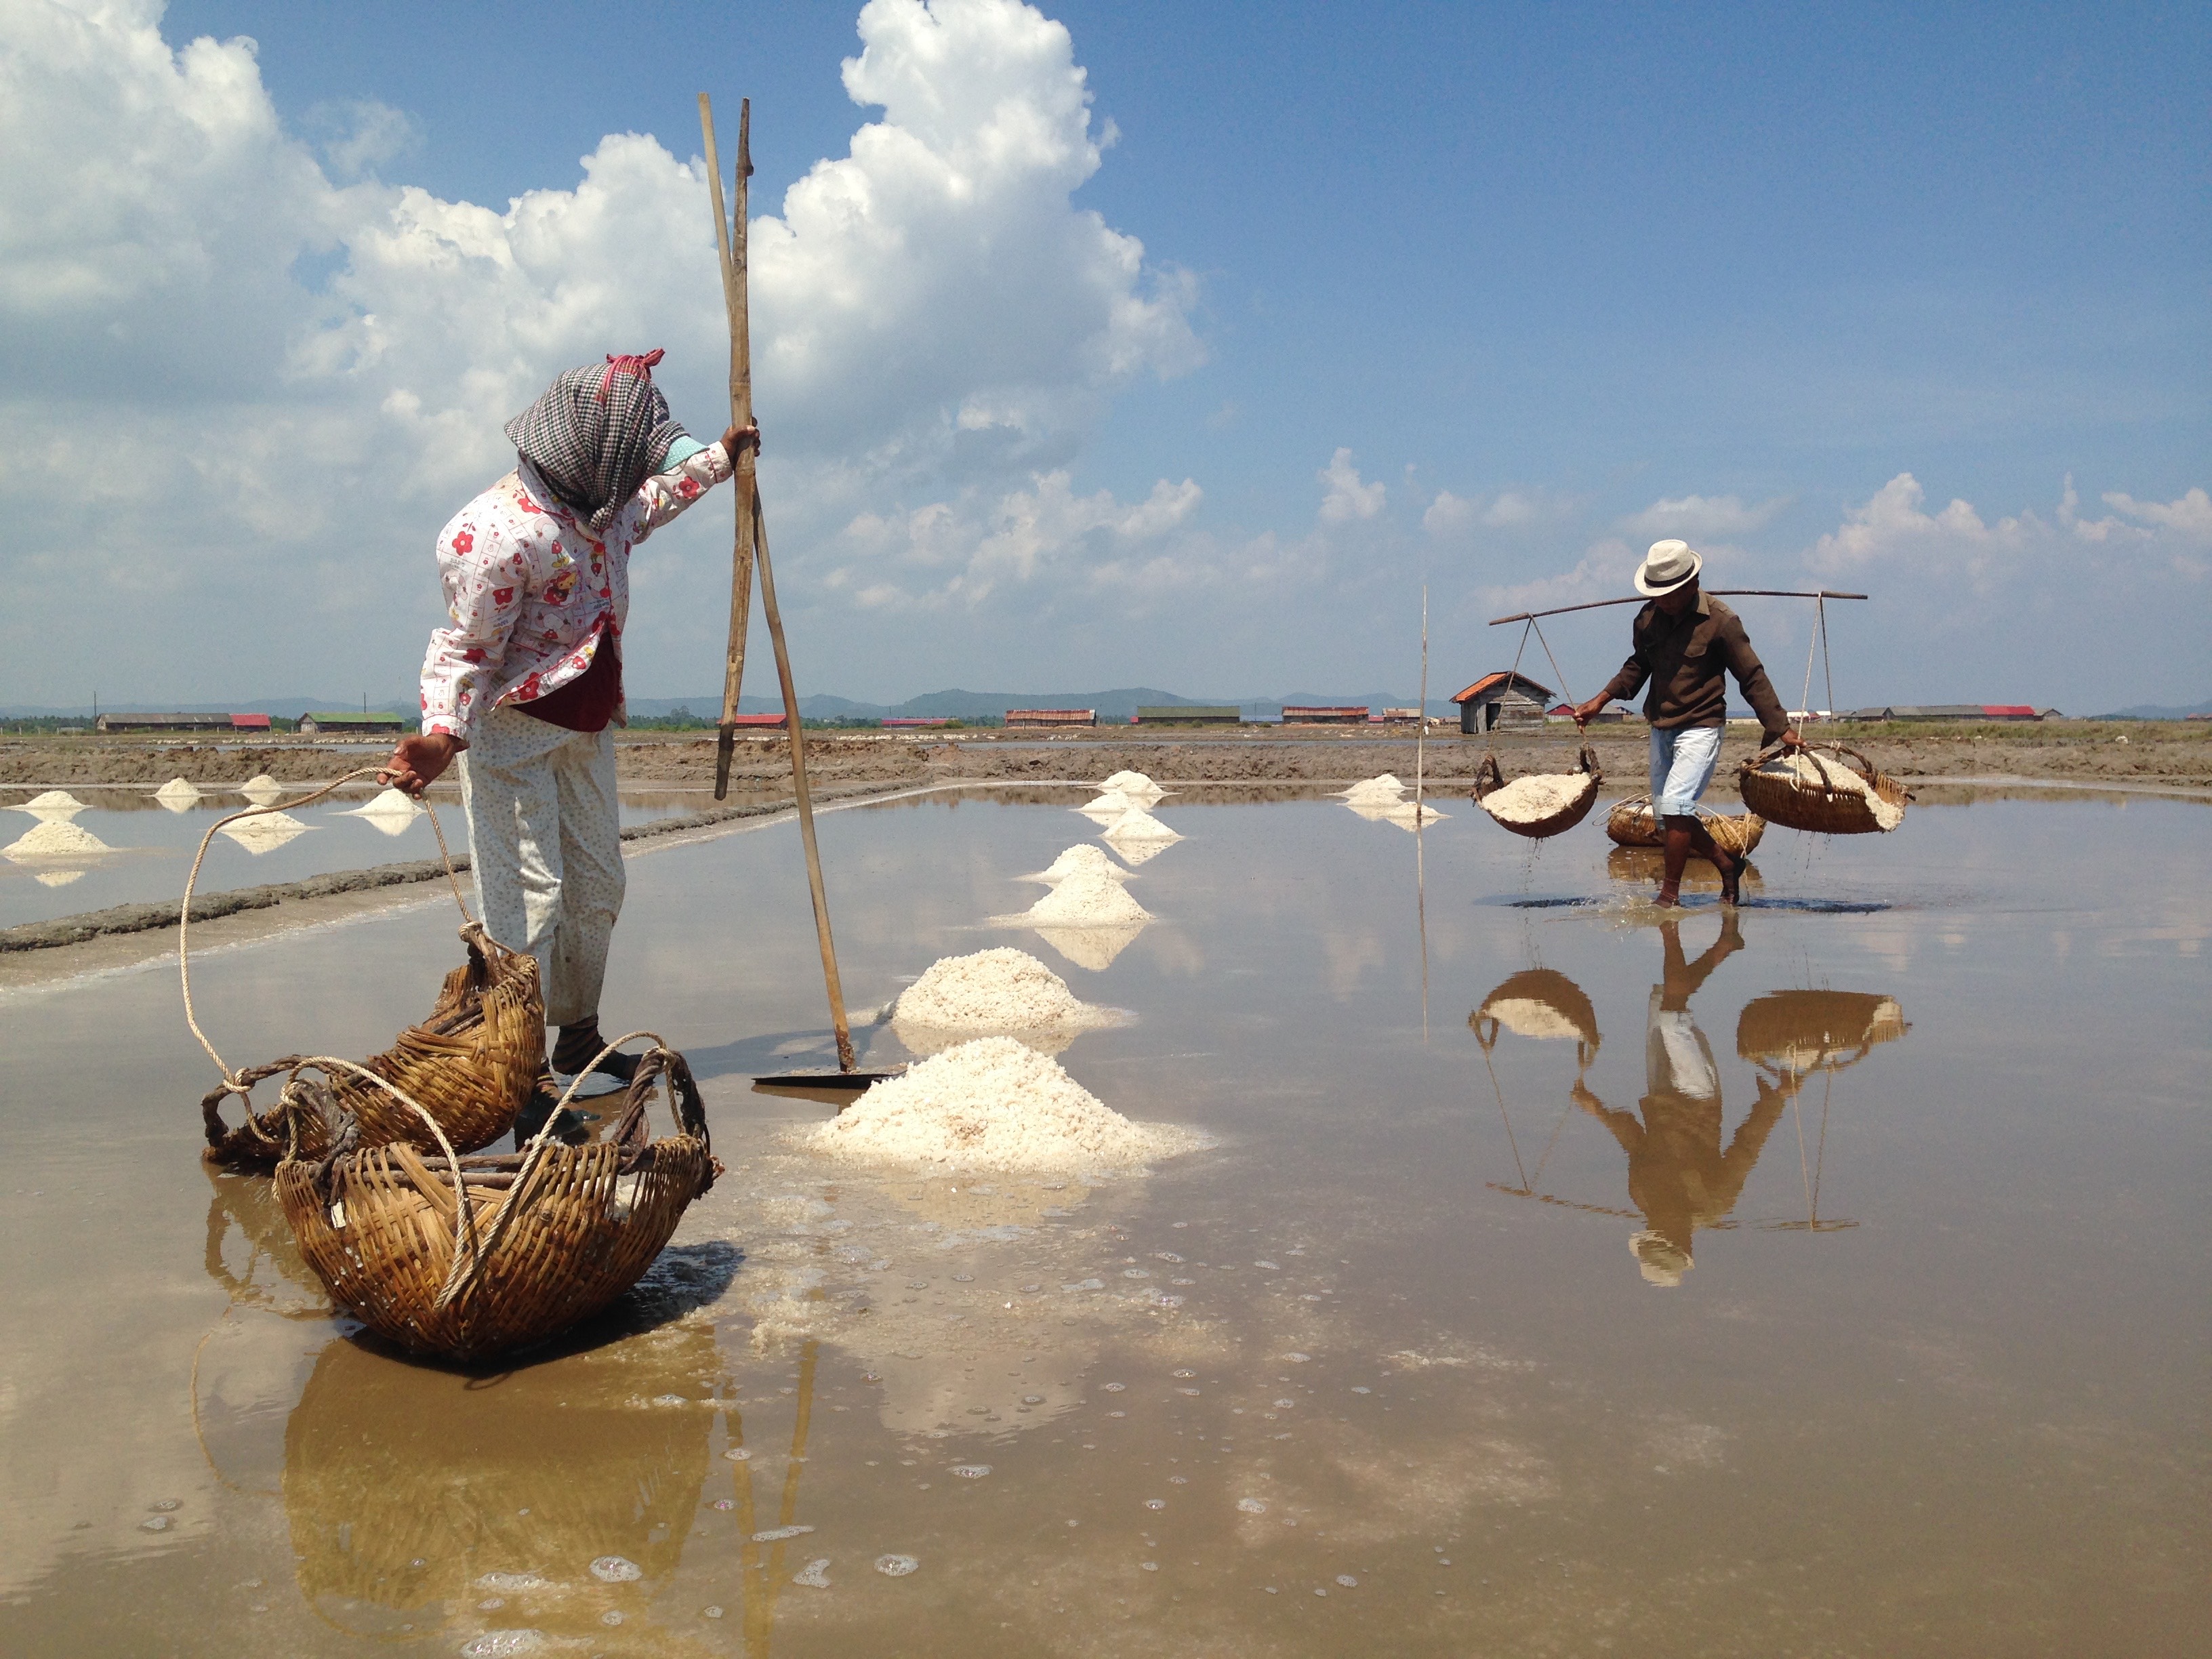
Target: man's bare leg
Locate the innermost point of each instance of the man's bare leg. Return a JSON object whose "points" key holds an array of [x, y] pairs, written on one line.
{"points": [[1686, 836]]}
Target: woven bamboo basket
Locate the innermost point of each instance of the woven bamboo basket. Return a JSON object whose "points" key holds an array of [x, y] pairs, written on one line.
{"points": [[472, 1062], [1488, 780], [1830, 808], [1633, 824], [470, 1257]]}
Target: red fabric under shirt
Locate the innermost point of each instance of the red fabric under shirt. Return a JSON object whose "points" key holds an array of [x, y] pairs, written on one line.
{"points": [[586, 703]]}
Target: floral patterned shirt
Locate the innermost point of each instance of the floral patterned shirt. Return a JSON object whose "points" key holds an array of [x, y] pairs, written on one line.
{"points": [[529, 587]]}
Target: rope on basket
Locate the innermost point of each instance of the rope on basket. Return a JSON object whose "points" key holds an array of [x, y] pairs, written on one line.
{"points": [[235, 1082]]}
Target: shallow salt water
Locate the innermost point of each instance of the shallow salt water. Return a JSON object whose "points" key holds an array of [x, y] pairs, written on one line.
{"points": [[152, 846], [1832, 1282]]}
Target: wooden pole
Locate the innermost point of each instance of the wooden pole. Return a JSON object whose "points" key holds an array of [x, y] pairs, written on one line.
{"points": [[730, 242], [846, 1062], [1722, 592]]}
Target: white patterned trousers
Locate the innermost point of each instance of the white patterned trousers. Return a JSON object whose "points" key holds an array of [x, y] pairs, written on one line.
{"points": [[545, 838]]}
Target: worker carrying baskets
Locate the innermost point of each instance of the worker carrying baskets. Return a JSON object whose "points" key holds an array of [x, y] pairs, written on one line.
{"points": [[525, 682], [1685, 644]]}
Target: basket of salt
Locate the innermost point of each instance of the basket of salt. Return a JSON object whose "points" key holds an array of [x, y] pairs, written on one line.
{"points": [[1633, 824], [470, 1256], [1805, 790], [472, 1061], [1538, 1002], [1799, 1032], [1541, 805]]}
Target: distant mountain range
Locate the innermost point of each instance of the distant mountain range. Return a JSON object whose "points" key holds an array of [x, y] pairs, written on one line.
{"points": [[2156, 711]]}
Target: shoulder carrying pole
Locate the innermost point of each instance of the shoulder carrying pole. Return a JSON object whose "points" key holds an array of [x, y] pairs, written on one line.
{"points": [[730, 241]]}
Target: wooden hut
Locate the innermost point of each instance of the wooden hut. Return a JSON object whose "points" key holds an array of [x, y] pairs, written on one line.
{"points": [[1501, 699]]}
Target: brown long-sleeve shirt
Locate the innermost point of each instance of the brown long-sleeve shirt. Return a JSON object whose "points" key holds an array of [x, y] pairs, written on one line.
{"points": [[1687, 658]]}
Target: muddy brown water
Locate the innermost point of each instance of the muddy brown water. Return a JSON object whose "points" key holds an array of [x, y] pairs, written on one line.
{"points": [[1564, 1279]]}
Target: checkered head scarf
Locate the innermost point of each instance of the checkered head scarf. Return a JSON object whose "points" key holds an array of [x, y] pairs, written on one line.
{"points": [[598, 433]]}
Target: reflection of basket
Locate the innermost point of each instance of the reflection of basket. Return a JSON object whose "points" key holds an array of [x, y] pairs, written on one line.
{"points": [[271, 1277], [1538, 1002], [551, 1234], [404, 1484], [1488, 780], [1633, 824], [1831, 807], [1803, 1031], [472, 1062]]}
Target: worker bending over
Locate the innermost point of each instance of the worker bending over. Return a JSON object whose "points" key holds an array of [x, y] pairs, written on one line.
{"points": [[525, 682], [1684, 642]]}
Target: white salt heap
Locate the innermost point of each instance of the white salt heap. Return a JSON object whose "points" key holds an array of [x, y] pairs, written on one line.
{"points": [[260, 787], [992, 1104], [1135, 786], [54, 800], [1532, 799], [997, 990], [1137, 824], [1080, 859], [179, 795], [55, 838], [1381, 791], [1090, 900], [1107, 807], [387, 803], [265, 832], [1832, 774]]}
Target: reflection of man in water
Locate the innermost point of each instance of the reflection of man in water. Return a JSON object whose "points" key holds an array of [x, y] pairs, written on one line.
{"points": [[1678, 1175]]}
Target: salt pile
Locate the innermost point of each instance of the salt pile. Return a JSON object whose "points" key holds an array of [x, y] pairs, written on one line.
{"points": [[1087, 901], [1830, 776], [1080, 859], [392, 811], [1107, 807], [55, 838], [179, 795], [54, 800], [260, 787], [1137, 824], [1381, 791], [997, 990], [992, 1104], [1533, 799], [265, 832], [1135, 786]]}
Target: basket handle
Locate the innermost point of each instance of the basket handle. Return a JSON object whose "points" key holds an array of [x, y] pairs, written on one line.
{"points": [[1587, 762], [1487, 778]]}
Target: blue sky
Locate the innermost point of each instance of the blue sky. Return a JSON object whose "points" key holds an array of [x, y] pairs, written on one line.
{"points": [[1553, 279]]}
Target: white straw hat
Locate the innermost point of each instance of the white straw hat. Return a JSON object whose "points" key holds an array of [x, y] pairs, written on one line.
{"points": [[1667, 566]]}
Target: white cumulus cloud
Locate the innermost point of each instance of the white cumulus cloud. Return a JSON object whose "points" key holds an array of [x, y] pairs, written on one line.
{"points": [[1348, 498], [1691, 517]]}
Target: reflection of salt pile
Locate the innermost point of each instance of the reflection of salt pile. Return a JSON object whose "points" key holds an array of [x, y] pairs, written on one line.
{"points": [[998, 991], [55, 838], [1094, 948], [179, 795], [1529, 1018], [1532, 799], [1138, 825], [992, 1104], [1407, 816], [1383, 791], [392, 811], [260, 787], [1135, 852], [1088, 899], [266, 832], [1841, 780], [57, 877]]}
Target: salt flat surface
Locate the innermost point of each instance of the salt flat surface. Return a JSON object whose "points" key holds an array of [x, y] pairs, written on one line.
{"points": [[1571, 1331]]}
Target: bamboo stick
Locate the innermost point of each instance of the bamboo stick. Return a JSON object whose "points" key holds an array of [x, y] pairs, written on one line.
{"points": [[730, 242], [1720, 593]]}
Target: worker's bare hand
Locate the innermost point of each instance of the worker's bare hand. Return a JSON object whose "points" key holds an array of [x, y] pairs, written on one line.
{"points": [[418, 761], [1790, 741], [736, 439], [1585, 712]]}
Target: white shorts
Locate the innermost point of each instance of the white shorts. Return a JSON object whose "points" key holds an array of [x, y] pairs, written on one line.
{"points": [[1682, 764]]}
